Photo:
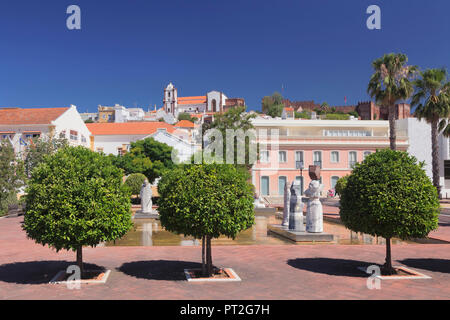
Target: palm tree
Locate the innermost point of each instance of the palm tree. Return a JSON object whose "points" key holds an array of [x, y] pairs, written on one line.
{"points": [[432, 98], [390, 83]]}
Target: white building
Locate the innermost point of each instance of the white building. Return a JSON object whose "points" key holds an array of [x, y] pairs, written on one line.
{"points": [[213, 101], [116, 138], [419, 136], [20, 125]]}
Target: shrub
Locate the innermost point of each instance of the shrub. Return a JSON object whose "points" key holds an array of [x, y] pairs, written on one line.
{"points": [[390, 195], [76, 198], [12, 176], [206, 201], [340, 185], [134, 183]]}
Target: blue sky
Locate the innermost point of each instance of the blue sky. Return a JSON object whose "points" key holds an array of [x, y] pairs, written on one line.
{"points": [[128, 51]]}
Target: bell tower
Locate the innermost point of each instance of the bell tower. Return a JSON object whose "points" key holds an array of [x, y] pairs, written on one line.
{"points": [[170, 99]]}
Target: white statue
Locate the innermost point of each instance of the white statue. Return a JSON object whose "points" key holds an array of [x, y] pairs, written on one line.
{"points": [[146, 197], [314, 212], [296, 209], [286, 207]]}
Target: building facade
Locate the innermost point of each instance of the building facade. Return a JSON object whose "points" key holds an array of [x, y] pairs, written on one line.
{"points": [[419, 136], [212, 102], [19, 126], [334, 145], [116, 138]]}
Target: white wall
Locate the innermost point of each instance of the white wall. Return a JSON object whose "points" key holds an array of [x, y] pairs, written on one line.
{"points": [[419, 136], [71, 120], [110, 143]]}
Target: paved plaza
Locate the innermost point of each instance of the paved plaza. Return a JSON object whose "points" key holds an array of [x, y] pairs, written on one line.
{"points": [[267, 272]]}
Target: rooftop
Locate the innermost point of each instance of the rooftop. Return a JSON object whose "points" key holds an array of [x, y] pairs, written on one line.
{"points": [[128, 128], [192, 100], [19, 116]]}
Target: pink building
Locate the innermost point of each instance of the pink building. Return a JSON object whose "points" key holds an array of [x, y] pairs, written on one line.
{"points": [[335, 145]]}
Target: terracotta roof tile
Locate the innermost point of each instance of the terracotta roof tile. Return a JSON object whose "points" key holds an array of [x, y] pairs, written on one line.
{"points": [[185, 124], [18, 116], [128, 128], [192, 100]]}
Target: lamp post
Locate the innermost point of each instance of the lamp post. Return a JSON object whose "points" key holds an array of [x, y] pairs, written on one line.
{"points": [[300, 166]]}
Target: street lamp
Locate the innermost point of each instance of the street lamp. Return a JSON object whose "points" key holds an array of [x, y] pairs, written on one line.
{"points": [[299, 165]]}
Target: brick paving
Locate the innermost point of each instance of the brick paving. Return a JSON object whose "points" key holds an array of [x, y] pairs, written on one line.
{"points": [[268, 272]]}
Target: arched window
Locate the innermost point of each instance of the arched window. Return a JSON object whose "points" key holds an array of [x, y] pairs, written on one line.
{"points": [[214, 105]]}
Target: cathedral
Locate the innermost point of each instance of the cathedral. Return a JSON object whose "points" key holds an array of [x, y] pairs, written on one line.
{"points": [[212, 102]]}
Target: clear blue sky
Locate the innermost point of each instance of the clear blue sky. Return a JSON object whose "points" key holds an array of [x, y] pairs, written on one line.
{"points": [[128, 51]]}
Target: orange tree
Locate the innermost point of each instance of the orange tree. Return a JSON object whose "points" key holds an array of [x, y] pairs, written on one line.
{"points": [[389, 195], [76, 198], [206, 201]]}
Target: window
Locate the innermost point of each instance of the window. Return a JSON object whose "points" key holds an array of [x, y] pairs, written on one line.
{"points": [[62, 134], [334, 180], [281, 183], [282, 156], [334, 157], [317, 158], [367, 153], [299, 163], [73, 135], [352, 159], [265, 186], [264, 156], [120, 151], [83, 139], [99, 149], [347, 133]]}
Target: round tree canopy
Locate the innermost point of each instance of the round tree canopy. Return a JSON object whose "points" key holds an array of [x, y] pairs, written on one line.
{"points": [[206, 200], [390, 195], [76, 198]]}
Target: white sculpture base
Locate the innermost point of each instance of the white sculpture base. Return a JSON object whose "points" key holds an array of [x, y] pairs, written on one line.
{"points": [[146, 215], [314, 217]]}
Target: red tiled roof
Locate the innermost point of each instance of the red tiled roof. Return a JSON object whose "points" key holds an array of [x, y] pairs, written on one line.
{"points": [[128, 128], [192, 100], [18, 116], [185, 124], [289, 109]]}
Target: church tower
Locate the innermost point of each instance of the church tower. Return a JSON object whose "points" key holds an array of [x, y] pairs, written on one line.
{"points": [[170, 99]]}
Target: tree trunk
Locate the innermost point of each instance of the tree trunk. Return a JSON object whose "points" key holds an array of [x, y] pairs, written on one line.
{"points": [[209, 256], [80, 259], [388, 264], [435, 155], [203, 257], [392, 129]]}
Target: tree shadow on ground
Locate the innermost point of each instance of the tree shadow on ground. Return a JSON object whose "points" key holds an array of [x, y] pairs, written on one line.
{"points": [[158, 269], [434, 265], [37, 272], [333, 267]]}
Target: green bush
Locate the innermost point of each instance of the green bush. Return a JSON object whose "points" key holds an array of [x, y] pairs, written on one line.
{"points": [[12, 176], [340, 185], [134, 183], [76, 198], [336, 116], [206, 201], [390, 195]]}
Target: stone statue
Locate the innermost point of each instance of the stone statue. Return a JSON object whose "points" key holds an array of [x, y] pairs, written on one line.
{"points": [[314, 212], [146, 197], [258, 203], [286, 210], [296, 209]]}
